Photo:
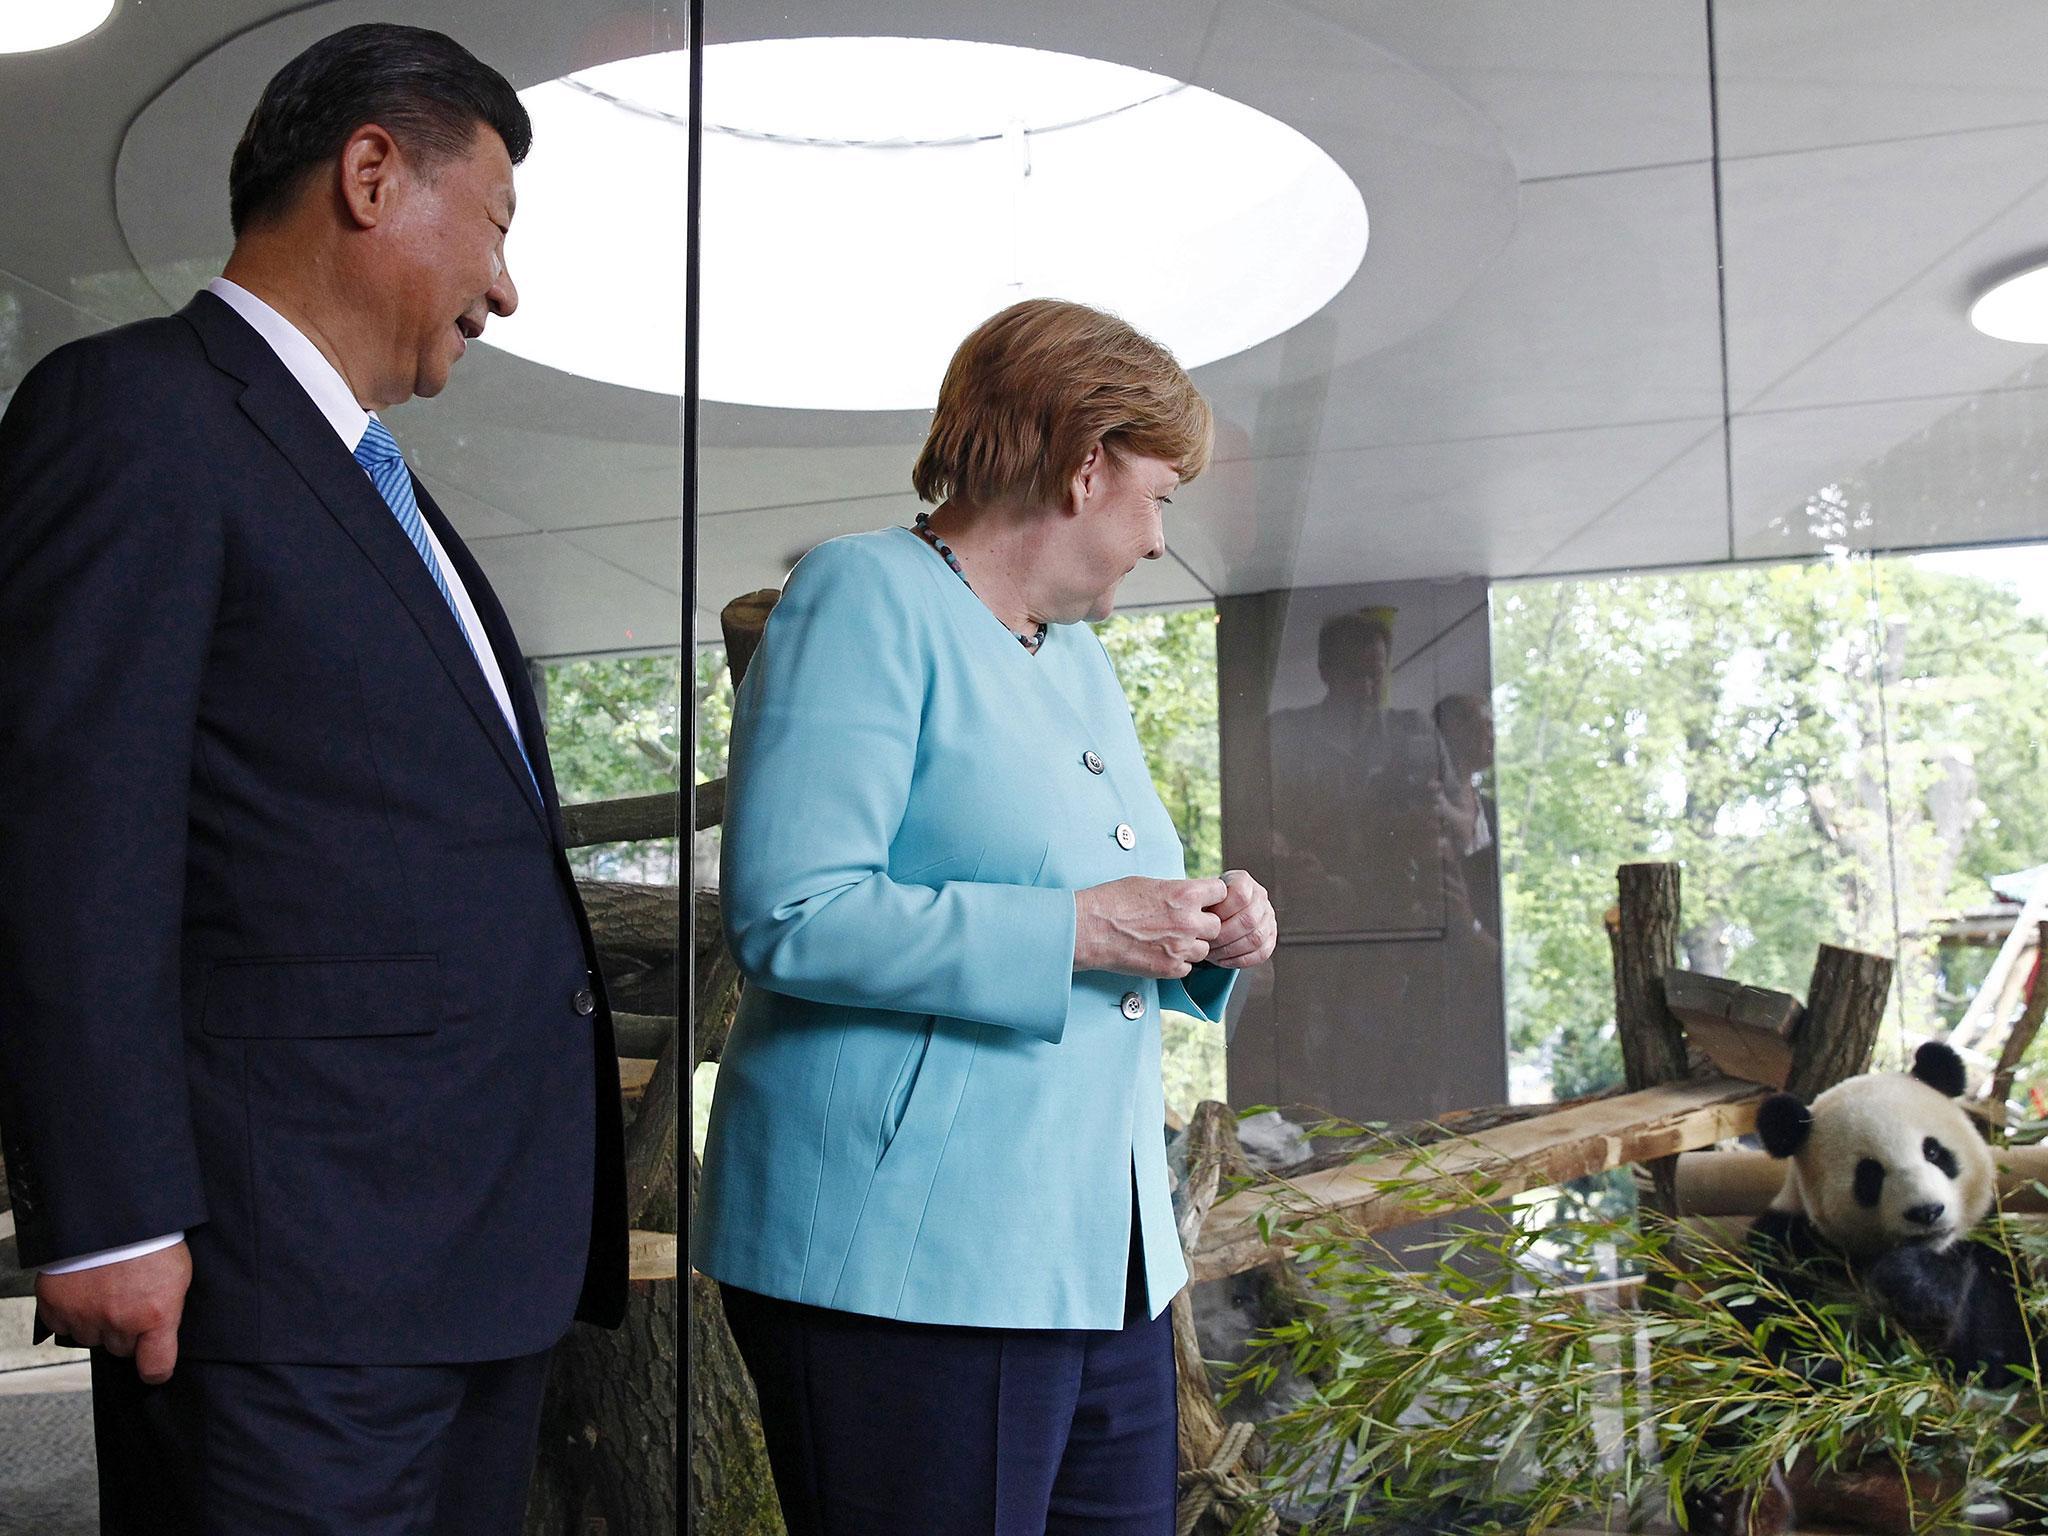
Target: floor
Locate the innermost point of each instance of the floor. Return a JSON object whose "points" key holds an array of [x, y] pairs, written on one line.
{"points": [[46, 1463]]}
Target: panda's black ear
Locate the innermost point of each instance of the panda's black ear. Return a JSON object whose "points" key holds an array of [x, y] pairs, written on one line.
{"points": [[1939, 1068], [1783, 1122]]}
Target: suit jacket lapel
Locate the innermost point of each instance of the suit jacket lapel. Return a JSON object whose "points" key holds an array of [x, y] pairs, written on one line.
{"points": [[283, 412], [504, 645]]}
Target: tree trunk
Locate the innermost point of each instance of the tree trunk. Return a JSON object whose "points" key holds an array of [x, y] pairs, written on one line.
{"points": [[1844, 1006], [1644, 933], [731, 1491]]}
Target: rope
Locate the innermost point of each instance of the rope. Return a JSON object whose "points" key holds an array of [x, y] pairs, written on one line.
{"points": [[1220, 1482]]}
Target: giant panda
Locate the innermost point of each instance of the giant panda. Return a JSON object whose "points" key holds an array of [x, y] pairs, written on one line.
{"points": [[1888, 1178]]}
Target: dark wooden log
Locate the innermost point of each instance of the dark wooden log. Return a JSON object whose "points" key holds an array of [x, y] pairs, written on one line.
{"points": [[1844, 1006], [637, 818], [1745, 1031], [731, 1490], [617, 1388], [633, 819], [633, 918], [1644, 934], [1217, 1460], [743, 619], [642, 1034], [717, 980]]}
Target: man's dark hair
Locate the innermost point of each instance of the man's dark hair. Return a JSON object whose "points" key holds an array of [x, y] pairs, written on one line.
{"points": [[424, 88]]}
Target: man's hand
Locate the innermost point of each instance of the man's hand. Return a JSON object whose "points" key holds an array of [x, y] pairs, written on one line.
{"points": [[1249, 930], [1139, 926], [130, 1308]]}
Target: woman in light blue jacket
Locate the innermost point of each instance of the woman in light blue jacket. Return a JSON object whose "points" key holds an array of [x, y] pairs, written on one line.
{"points": [[934, 1190]]}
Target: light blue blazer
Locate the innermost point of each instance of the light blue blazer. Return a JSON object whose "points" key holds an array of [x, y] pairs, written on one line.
{"points": [[923, 1111]]}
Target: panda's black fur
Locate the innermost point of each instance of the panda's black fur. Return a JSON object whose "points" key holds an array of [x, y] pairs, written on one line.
{"points": [[1888, 1181]]}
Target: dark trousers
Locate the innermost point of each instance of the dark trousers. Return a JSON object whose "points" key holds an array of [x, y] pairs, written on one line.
{"points": [[231, 1449], [877, 1427]]}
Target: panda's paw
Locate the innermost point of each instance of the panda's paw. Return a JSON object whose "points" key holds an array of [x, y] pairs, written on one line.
{"points": [[1919, 1286]]}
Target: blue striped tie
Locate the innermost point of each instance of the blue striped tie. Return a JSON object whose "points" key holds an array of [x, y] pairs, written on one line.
{"points": [[378, 454]]}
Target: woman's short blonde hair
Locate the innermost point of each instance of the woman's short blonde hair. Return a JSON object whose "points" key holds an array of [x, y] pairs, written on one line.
{"points": [[1033, 388]]}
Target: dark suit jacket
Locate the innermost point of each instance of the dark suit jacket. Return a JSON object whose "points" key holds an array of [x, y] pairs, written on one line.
{"points": [[290, 955]]}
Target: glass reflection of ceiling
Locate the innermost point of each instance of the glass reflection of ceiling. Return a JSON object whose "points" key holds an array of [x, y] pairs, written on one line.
{"points": [[876, 198], [27, 27]]}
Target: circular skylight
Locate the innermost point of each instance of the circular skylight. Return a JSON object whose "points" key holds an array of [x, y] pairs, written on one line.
{"points": [[25, 27], [868, 201], [2016, 309]]}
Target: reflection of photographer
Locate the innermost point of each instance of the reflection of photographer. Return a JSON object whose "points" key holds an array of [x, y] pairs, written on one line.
{"points": [[1471, 818], [1358, 788]]}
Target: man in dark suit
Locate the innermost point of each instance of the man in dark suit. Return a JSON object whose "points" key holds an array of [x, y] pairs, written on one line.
{"points": [[307, 1081]]}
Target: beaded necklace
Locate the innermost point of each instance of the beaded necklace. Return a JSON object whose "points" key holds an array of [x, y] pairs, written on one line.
{"points": [[930, 535]]}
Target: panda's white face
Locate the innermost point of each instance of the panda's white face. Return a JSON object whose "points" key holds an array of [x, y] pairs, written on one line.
{"points": [[1890, 1160]]}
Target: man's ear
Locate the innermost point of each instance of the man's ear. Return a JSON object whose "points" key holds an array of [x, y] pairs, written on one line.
{"points": [[369, 161]]}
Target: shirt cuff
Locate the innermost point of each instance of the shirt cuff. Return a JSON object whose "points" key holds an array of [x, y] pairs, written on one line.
{"points": [[112, 1255]]}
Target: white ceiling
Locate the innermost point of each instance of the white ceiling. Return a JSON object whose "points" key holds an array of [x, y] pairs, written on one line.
{"points": [[1579, 341]]}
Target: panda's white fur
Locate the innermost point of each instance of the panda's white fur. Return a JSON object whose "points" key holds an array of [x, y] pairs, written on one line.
{"points": [[1895, 1121]]}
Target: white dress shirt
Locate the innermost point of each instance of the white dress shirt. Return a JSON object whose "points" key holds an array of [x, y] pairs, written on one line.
{"points": [[329, 390]]}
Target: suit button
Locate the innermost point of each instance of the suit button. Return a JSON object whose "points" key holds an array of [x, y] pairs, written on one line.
{"points": [[1134, 1005], [1091, 762], [1125, 837], [584, 1002]]}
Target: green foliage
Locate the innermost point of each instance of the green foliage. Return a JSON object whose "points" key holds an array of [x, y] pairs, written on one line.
{"points": [[1167, 665], [1834, 751], [1487, 1392], [614, 730]]}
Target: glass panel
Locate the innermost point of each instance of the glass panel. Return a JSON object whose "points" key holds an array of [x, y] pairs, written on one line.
{"points": [[1606, 470]]}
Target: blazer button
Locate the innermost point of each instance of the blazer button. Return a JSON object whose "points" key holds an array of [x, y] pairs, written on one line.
{"points": [[1134, 1005], [1091, 762], [1125, 837], [584, 1002]]}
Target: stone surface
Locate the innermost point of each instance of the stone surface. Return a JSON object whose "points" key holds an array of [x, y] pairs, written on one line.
{"points": [[46, 1465]]}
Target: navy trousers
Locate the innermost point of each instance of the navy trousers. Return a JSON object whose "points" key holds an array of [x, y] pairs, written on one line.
{"points": [[878, 1427], [231, 1449]]}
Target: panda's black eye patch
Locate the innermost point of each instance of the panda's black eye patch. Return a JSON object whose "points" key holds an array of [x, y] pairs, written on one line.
{"points": [[1869, 1182], [1940, 1156]]}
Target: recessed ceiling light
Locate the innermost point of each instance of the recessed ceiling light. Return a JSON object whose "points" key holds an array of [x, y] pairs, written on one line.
{"points": [[24, 28], [2016, 309], [868, 201]]}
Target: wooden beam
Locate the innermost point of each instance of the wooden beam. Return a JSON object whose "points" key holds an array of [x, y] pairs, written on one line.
{"points": [[1397, 1190], [1998, 1088], [1744, 1031], [637, 818], [651, 1255], [635, 1072]]}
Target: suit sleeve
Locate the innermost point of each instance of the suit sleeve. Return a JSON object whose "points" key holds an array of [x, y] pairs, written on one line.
{"points": [[824, 747], [110, 577], [1203, 992]]}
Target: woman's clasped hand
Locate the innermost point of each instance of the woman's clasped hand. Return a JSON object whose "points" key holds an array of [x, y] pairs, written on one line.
{"points": [[1163, 929]]}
